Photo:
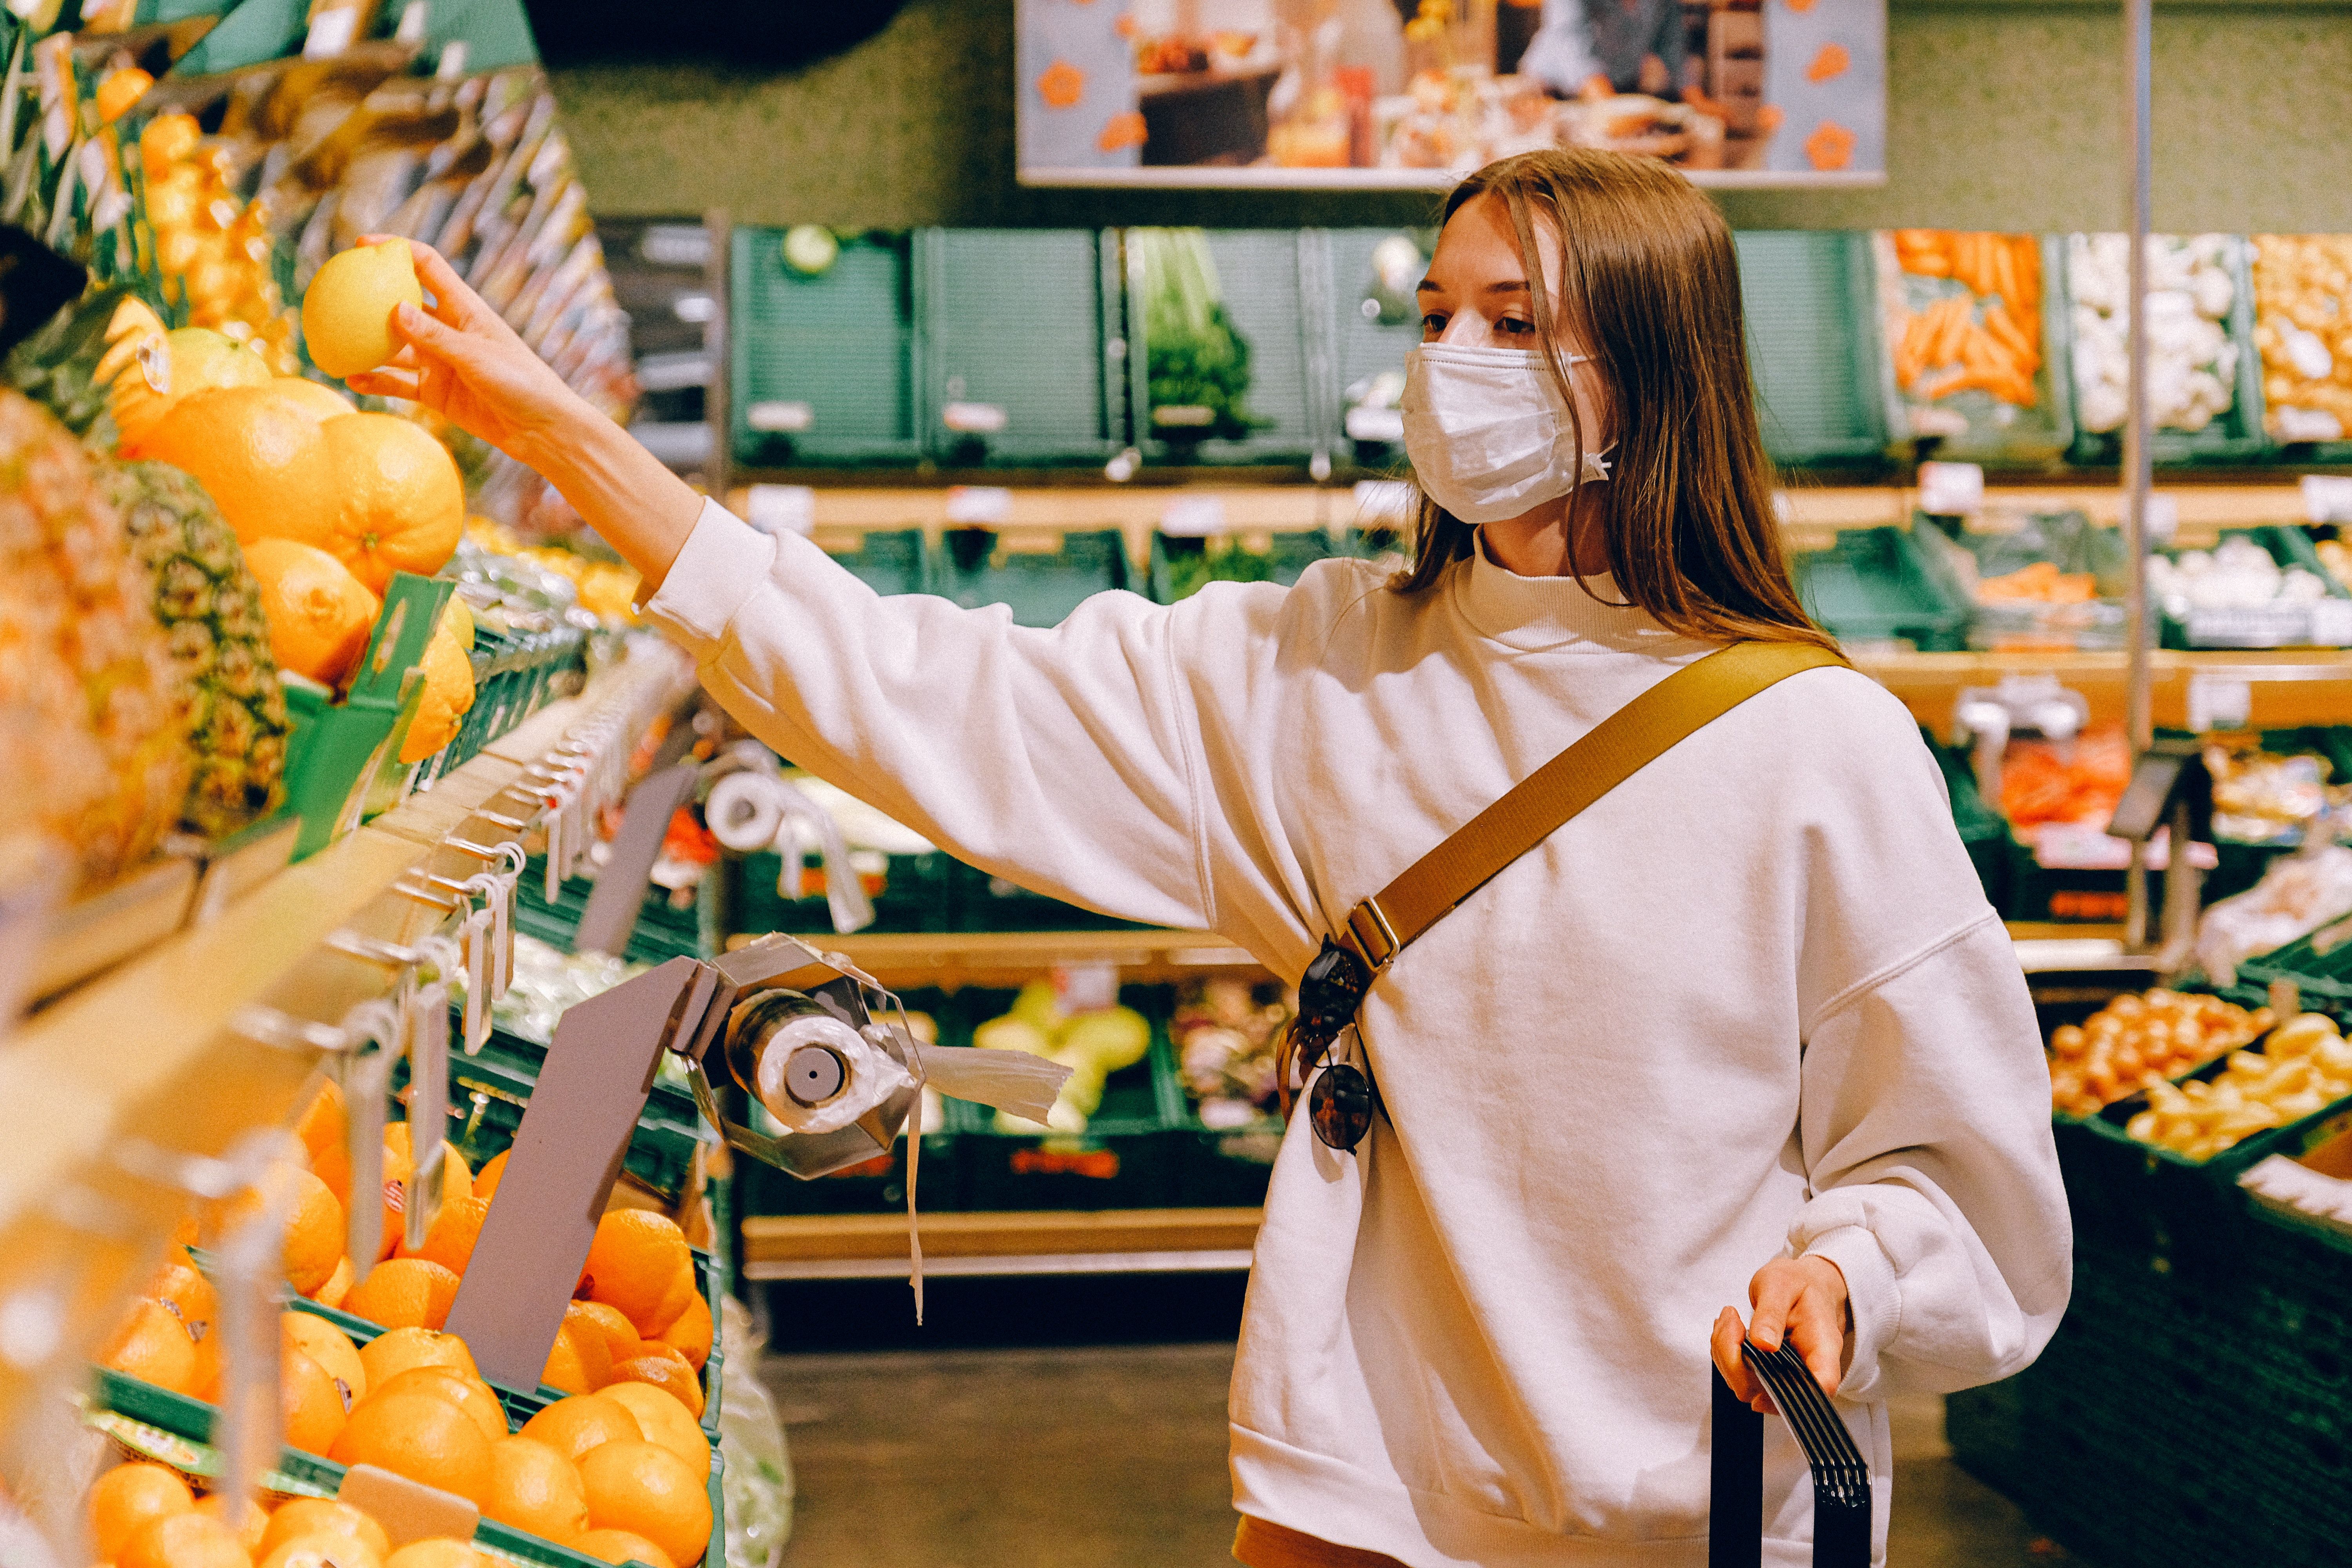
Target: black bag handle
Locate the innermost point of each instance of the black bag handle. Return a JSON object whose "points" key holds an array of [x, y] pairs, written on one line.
{"points": [[1734, 1525]]}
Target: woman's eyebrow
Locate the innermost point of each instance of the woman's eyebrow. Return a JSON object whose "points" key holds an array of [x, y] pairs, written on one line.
{"points": [[1510, 286]]}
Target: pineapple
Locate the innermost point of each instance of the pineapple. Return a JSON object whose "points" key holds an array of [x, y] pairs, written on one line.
{"points": [[84, 665], [210, 607], [64, 365]]}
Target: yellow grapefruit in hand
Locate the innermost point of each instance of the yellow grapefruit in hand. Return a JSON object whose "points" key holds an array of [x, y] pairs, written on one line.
{"points": [[347, 310]]}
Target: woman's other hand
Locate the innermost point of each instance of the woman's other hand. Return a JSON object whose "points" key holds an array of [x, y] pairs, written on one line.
{"points": [[458, 359], [1800, 1298]]}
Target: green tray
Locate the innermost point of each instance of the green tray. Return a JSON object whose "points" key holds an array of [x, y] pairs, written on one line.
{"points": [[1021, 325], [2237, 435], [1814, 343], [190, 1421], [662, 932], [2328, 624], [890, 561], [920, 895], [1124, 1159], [1990, 431], [1040, 586], [1181, 566], [788, 331], [1880, 586], [1269, 281], [1364, 344]]}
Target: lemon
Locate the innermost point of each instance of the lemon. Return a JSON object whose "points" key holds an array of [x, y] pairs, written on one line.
{"points": [[347, 312]]}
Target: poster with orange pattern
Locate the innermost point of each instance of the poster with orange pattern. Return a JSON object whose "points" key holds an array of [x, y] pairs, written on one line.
{"points": [[1411, 94]]}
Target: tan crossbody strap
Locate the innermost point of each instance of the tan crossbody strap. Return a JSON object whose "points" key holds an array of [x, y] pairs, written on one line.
{"points": [[1615, 750]]}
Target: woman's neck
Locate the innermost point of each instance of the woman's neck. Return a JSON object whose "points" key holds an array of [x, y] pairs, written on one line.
{"points": [[1548, 541]]}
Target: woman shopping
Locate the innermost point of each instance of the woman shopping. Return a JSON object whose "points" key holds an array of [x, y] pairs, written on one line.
{"points": [[1738, 1050]]}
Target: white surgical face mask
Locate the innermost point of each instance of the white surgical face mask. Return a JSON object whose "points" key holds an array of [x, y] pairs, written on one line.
{"points": [[1487, 430]]}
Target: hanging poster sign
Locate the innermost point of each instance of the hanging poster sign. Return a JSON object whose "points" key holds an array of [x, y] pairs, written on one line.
{"points": [[1405, 94]]}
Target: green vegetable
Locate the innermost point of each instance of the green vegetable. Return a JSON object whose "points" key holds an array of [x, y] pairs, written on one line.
{"points": [[1197, 367], [1227, 563]]}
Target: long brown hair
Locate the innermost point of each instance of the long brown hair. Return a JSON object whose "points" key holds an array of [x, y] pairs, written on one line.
{"points": [[1648, 272]]}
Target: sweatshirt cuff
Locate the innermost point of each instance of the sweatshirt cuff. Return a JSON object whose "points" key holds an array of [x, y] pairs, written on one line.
{"points": [[1871, 1297], [724, 560]]}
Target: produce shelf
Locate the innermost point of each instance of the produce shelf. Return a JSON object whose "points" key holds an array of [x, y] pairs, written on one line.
{"points": [[1109, 1241]]}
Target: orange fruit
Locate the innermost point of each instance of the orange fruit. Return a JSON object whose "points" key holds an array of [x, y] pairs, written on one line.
{"points": [[314, 1225], [323, 1124], [665, 1421], [127, 1497], [618, 1546], [470, 1395], [263, 458], [199, 360], [188, 1296], [621, 1335], [582, 1423], [190, 1539], [450, 1243], [321, 403], [312, 1516], [633, 1262], [347, 309], [485, 1180], [315, 1404], [567, 1365], [645, 1489], [667, 1371], [535, 1488], [389, 1354], [331, 1348], [673, 1304], [448, 696], [338, 1287], [151, 1344], [248, 1523], [405, 1293], [332, 1165], [328, 1551], [403, 505], [320, 615], [690, 1334], [421, 1436], [398, 1169]]}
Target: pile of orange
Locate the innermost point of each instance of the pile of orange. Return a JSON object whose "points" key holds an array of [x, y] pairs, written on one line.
{"points": [[144, 1516]]}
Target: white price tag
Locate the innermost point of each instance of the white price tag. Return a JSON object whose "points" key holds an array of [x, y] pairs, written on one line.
{"points": [[2327, 498], [1087, 987], [2331, 623], [474, 936], [1950, 489], [1193, 517], [2217, 702], [979, 506], [780, 509], [2163, 519]]}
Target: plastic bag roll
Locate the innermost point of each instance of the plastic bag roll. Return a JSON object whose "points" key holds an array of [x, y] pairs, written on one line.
{"points": [[816, 1074]]}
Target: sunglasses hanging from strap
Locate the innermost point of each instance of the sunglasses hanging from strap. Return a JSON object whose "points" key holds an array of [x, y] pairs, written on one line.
{"points": [[1734, 1530], [1381, 927]]}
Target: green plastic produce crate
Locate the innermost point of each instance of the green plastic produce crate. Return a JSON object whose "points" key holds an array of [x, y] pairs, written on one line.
{"points": [[889, 560], [1878, 585], [1973, 426], [975, 567], [985, 902], [514, 675], [489, 1092], [917, 894], [178, 1431], [1983, 830], [1123, 1160], [1020, 347], [797, 394], [1373, 327], [1181, 566], [2076, 895], [2325, 623], [2235, 436], [662, 933], [1813, 343], [1269, 282]]}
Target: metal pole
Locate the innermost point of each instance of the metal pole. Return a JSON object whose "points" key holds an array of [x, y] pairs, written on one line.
{"points": [[2138, 473]]}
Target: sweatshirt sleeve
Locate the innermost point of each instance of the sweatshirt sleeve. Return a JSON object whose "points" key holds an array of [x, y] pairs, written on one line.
{"points": [[1924, 1121], [1057, 757]]}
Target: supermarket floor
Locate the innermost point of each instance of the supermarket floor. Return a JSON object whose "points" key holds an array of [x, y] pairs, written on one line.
{"points": [[990, 1452]]}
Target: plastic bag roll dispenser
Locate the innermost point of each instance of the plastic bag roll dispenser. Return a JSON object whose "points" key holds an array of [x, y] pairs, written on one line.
{"points": [[723, 1017]]}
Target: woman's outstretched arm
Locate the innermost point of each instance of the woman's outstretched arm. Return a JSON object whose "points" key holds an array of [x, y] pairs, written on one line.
{"points": [[460, 359]]}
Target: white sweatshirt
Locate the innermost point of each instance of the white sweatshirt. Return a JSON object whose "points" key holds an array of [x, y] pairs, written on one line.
{"points": [[1751, 1004]]}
